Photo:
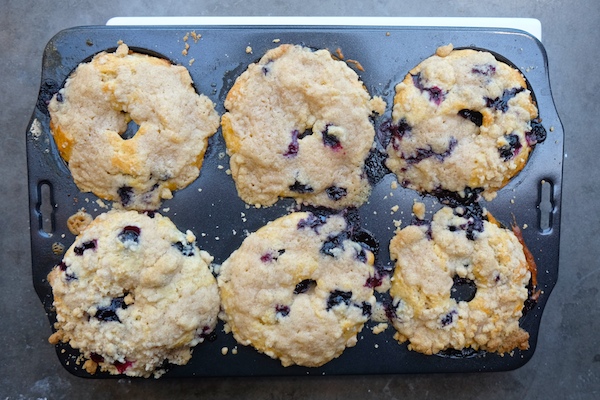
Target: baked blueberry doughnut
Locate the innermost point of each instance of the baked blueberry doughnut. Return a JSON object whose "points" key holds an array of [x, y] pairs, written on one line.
{"points": [[460, 281], [115, 93], [134, 293], [462, 122], [298, 125], [297, 289]]}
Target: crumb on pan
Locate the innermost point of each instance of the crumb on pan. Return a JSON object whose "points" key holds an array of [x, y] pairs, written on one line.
{"points": [[419, 210], [443, 51], [79, 221]]}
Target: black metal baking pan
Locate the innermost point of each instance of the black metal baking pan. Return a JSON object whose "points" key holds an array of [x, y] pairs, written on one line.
{"points": [[211, 208]]}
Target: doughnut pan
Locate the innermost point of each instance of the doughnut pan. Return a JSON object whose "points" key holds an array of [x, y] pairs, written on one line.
{"points": [[211, 208]]}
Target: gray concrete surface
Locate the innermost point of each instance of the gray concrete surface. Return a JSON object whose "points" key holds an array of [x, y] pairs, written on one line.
{"points": [[566, 364]]}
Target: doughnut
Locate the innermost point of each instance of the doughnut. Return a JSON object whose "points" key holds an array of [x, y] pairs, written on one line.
{"points": [[133, 292], [460, 281], [298, 289], [115, 93], [298, 125], [462, 122]]}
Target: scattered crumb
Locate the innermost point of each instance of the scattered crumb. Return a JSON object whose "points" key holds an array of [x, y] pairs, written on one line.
{"points": [[220, 166], [395, 208], [382, 326], [221, 155], [58, 248], [228, 171], [224, 350], [525, 226], [276, 40], [196, 36], [356, 64], [185, 50], [419, 210], [387, 34], [339, 53], [552, 129], [397, 223], [234, 350], [512, 201], [191, 61], [443, 51], [166, 209], [79, 221], [186, 37], [248, 50], [199, 189], [36, 129], [376, 346], [101, 204]]}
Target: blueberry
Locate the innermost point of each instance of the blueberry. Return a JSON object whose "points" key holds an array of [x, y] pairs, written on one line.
{"points": [[187, 249], [335, 193], [391, 308], [381, 272], [125, 194], [334, 242], [501, 103], [68, 276], [366, 239], [455, 199], [486, 70], [338, 297], [150, 214], [423, 154], [436, 95], [130, 233], [300, 188], [448, 318], [389, 132], [282, 310], [267, 67], [537, 134], [473, 213], [91, 245], [269, 256], [208, 334], [511, 149], [374, 167], [330, 140], [429, 231], [305, 286], [109, 313], [474, 116], [312, 221], [293, 147], [122, 367], [366, 309]]}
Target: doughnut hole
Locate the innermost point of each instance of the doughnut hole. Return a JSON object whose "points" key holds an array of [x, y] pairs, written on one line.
{"points": [[463, 289]]}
